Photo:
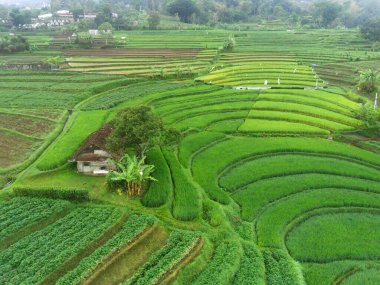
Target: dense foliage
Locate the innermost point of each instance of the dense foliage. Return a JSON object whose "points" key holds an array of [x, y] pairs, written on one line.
{"points": [[371, 29], [10, 44], [140, 128]]}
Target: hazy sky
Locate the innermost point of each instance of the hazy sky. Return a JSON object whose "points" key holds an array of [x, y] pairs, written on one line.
{"points": [[23, 2]]}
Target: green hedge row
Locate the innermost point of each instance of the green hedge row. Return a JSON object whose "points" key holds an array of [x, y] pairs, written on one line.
{"points": [[186, 201], [159, 191], [53, 193]]}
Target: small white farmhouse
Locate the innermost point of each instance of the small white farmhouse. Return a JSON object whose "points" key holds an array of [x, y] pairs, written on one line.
{"points": [[92, 158]]}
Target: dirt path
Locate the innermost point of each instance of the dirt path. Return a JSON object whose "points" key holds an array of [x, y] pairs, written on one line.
{"points": [[128, 260]]}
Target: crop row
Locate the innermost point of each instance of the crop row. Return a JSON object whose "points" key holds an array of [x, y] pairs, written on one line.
{"points": [[213, 121], [251, 270], [290, 164], [22, 212], [282, 213], [209, 163], [125, 94], [297, 118], [223, 265], [179, 245], [333, 242], [31, 259], [134, 226], [281, 269], [274, 126]]}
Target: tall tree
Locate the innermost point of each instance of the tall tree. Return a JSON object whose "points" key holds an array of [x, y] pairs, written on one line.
{"points": [[19, 17], [184, 9], [154, 20], [371, 29], [325, 12], [139, 128]]}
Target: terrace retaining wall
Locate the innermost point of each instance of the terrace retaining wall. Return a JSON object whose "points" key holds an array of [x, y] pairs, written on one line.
{"points": [[31, 66]]}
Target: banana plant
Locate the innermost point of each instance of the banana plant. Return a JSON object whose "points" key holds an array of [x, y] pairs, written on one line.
{"points": [[131, 174]]}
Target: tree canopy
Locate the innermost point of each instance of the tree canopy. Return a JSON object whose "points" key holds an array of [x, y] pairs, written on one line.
{"points": [[371, 29], [154, 20], [325, 12], [10, 44], [19, 17], [184, 8], [140, 128]]}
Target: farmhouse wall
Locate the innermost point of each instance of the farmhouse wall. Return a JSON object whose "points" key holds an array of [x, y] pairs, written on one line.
{"points": [[91, 166]]}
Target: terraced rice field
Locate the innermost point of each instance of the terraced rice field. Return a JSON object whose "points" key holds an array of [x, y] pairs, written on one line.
{"points": [[310, 47], [203, 39], [61, 243], [34, 107], [258, 191], [262, 70], [141, 62], [290, 111], [48, 89]]}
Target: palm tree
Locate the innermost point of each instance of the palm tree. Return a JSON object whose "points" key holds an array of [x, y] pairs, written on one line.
{"points": [[131, 174]]}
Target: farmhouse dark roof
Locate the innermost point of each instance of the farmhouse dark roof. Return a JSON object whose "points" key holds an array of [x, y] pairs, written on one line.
{"points": [[91, 157], [95, 141]]}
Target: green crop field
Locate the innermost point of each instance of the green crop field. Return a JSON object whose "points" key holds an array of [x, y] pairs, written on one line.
{"points": [[275, 180]]}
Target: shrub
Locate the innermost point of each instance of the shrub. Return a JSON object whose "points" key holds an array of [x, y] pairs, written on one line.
{"points": [[229, 44], [13, 44]]}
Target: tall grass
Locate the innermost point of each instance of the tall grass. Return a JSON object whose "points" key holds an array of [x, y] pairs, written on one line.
{"points": [[349, 234], [159, 191], [223, 265], [281, 269], [251, 270], [307, 204], [187, 200]]}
